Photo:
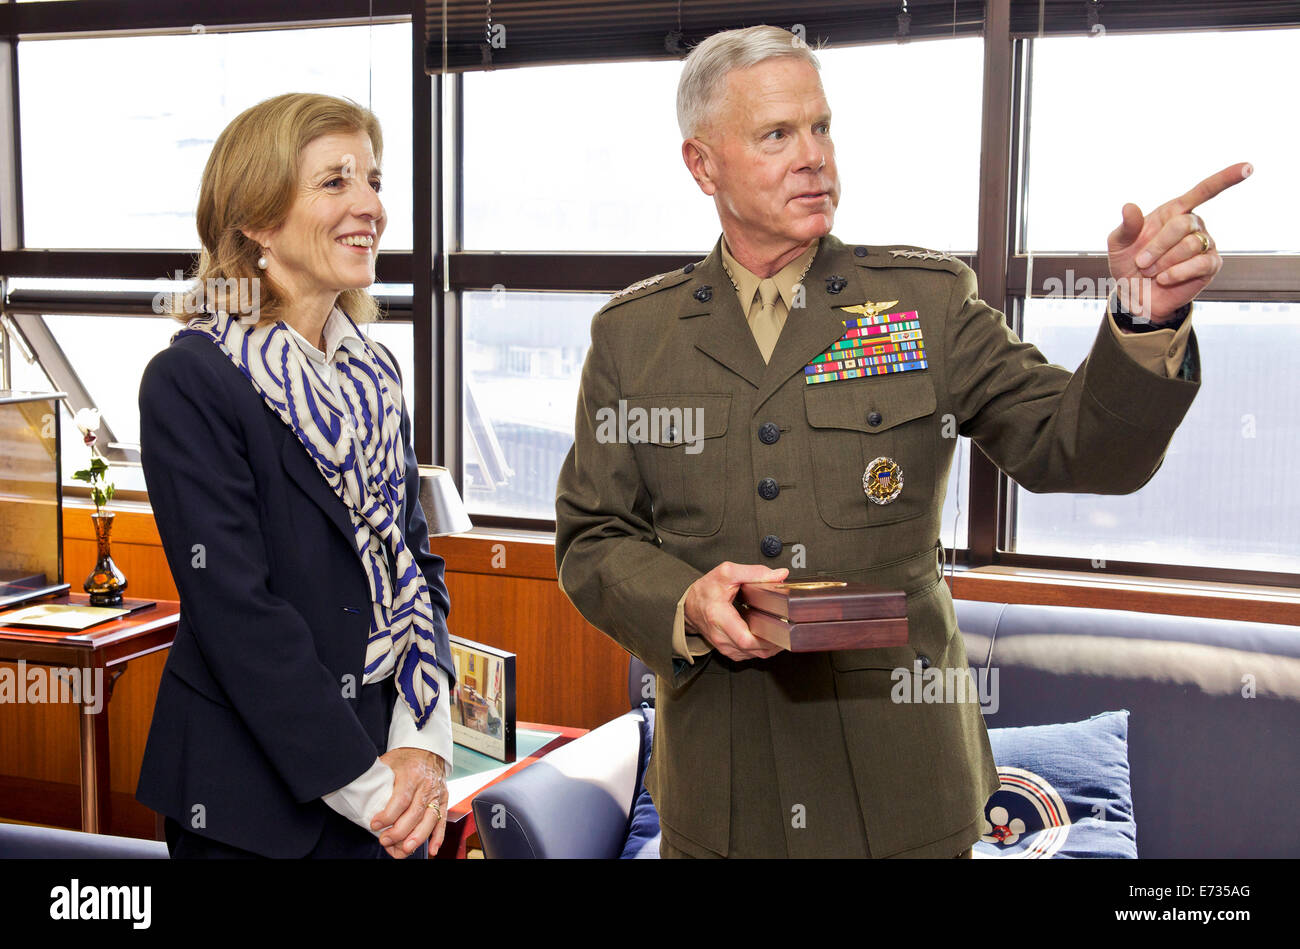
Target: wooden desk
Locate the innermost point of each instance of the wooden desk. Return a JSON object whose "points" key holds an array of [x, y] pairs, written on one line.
{"points": [[460, 812], [100, 653]]}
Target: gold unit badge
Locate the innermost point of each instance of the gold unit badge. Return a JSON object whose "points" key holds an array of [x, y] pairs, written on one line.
{"points": [[883, 480]]}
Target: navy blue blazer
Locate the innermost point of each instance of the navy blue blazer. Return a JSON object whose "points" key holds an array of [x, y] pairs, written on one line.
{"points": [[257, 712]]}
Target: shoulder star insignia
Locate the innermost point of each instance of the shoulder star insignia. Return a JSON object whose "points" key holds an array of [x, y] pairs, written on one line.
{"points": [[923, 255], [639, 285]]}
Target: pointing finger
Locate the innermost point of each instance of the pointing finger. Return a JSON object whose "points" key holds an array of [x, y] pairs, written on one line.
{"points": [[1215, 184]]}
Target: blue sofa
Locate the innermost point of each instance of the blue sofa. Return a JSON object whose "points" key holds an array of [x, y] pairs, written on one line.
{"points": [[1213, 755], [30, 841]]}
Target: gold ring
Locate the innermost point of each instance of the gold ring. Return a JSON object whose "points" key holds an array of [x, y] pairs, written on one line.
{"points": [[1205, 241], [436, 809]]}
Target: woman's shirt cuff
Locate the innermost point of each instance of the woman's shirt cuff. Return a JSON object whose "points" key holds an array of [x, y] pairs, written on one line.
{"points": [[361, 799], [435, 736]]}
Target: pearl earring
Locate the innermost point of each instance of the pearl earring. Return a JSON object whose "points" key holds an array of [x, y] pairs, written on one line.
{"points": [[261, 262]]}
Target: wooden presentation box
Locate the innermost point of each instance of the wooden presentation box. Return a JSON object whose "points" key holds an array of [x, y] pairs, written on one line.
{"points": [[819, 615]]}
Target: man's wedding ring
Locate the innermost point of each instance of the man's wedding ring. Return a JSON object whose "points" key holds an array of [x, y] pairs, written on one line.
{"points": [[1205, 240]]}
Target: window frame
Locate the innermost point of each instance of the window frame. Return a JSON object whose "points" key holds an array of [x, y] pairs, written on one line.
{"points": [[106, 18], [440, 270]]}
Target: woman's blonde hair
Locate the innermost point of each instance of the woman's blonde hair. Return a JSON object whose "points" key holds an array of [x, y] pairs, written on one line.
{"points": [[250, 183]]}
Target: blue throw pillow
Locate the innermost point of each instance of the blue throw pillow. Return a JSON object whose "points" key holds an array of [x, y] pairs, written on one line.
{"points": [[643, 832], [1065, 791]]}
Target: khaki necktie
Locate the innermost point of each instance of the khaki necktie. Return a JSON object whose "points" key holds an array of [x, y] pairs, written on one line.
{"points": [[767, 325]]}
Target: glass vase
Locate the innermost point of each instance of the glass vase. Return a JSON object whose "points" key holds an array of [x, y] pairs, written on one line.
{"points": [[106, 582]]}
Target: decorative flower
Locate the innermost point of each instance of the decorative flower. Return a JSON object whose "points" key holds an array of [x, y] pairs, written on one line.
{"points": [[101, 489], [87, 420], [1000, 830]]}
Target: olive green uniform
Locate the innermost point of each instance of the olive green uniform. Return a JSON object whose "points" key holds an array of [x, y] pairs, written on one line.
{"points": [[807, 754]]}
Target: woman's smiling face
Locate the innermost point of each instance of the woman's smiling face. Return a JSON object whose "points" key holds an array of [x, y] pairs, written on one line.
{"points": [[329, 241]]}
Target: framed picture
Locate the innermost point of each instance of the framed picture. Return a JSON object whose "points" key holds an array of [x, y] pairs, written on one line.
{"points": [[483, 700]]}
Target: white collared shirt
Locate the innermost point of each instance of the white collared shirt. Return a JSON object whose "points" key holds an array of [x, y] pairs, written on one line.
{"points": [[365, 796]]}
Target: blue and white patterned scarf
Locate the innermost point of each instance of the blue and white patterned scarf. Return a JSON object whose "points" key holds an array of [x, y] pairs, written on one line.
{"points": [[357, 447]]}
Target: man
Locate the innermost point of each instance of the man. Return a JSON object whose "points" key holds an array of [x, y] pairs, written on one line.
{"points": [[767, 454]]}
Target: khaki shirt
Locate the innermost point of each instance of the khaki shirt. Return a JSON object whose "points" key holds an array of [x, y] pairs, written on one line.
{"points": [[1160, 351]]}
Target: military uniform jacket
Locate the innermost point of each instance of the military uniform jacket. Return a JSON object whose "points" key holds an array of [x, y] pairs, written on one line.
{"points": [[641, 513]]}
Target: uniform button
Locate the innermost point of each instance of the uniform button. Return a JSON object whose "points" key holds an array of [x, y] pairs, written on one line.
{"points": [[768, 433], [874, 419], [924, 660], [859, 252], [1173, 351], [768, 489], [689, 267], [704, 294], [771, 546]]}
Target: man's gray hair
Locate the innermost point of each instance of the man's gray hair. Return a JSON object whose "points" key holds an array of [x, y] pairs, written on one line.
{"points": [[705, 69]]}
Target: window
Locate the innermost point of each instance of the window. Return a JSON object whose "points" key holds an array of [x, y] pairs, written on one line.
{"points": [[563, 183], [588, 157], [1220, 501], [906, 125], [399, 337], [1223, 496], [522, 358], [118, 164], [601, 170], [579, 158], [1084, 165], [106, 355]]}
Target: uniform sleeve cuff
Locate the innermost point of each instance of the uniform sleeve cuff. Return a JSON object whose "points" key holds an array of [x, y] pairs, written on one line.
{"points": [[686, 645], [1159, 351], [1134, 394]]}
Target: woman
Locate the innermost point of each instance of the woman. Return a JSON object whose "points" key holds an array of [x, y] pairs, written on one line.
{"points": [[303, 709]]}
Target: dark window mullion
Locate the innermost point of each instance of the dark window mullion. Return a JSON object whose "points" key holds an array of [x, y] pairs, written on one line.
{"points": [[453, 329], [392, 266], [457, 235], [1244, 277], [995, 151], [426, 240], [11, 189], [1004, 502], [567, 272]]}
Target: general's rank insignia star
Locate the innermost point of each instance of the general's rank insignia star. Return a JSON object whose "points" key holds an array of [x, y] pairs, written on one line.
{"points": [[883, 480], [924, 255], [639, 285]]}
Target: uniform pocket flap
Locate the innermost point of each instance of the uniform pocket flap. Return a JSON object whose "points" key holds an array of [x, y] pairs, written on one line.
{"points": [[672, 420], [886, 401]]}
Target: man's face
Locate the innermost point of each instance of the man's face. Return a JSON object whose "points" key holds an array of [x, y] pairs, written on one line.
{"points": [[768, 159]]}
